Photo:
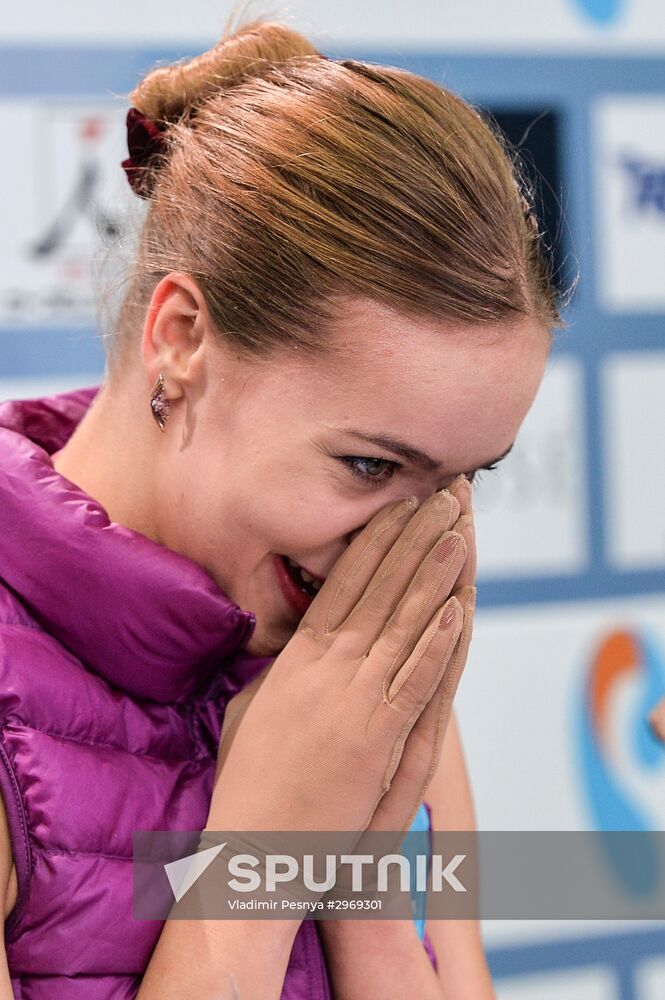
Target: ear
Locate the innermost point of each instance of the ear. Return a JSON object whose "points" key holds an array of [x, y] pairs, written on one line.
{"points": [[175, 323]]}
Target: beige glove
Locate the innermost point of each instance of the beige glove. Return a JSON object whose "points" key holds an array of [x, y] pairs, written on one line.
{"points": [[422, 752], [397, 808], [319, 743]]}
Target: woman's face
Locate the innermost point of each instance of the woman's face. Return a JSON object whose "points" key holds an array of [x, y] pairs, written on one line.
{"points": [[270, 461]]}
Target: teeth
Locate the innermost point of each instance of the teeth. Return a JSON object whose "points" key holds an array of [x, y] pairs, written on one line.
{"points": [[307, 577]]}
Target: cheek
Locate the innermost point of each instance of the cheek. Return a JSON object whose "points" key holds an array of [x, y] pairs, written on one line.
{"points": [[253, 502], [292, 514], [301, 522]]}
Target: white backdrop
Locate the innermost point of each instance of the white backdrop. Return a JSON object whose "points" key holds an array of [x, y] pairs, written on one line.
{"points": [[491, 25]]}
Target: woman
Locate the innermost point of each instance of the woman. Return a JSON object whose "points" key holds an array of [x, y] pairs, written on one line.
{"points": [[339, 303]]}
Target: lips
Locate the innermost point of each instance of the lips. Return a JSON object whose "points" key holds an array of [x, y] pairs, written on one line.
{"points": [[298, 594]]}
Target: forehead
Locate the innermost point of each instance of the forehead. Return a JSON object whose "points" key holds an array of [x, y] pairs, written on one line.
{"points": [[459, 392]]}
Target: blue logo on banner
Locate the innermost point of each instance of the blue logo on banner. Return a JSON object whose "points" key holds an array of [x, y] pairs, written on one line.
{"points": [[647, 185], [601, 11]]}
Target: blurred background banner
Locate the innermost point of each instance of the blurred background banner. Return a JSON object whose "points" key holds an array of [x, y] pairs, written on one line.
{"points": [[569, 648]]}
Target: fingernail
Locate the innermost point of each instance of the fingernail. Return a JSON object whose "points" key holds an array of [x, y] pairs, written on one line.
{"points": [[450, 613], [460, 482], [446, 547], [446, 504]]}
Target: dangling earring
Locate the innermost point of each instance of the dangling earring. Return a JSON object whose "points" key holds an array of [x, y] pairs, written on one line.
{"points": [[159, 404]]}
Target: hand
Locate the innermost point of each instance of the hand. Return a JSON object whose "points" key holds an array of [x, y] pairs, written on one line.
{"points": [[422, 752], [319, 743], [397, 808], [233, 714]]}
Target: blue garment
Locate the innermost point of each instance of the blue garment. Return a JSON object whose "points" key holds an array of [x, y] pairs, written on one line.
{"points": [[418, 842]]}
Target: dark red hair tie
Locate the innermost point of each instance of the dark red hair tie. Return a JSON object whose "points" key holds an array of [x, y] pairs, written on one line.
{"points": [[145, 138]]}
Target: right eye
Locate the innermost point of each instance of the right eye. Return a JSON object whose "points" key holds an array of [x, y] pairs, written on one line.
{"points": [[371, 476]]}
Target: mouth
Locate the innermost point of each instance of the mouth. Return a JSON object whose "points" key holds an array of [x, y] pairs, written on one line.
{"points": [[298, 586], [308, 582]]}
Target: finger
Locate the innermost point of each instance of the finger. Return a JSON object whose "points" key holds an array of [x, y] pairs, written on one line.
{"points": [[370, 608], [398, 806], [461, 489], [416, 681], [406, 694], [466, 528], [448, 687], [382, 584], [430, 587], [357, 563], [397, 810]]}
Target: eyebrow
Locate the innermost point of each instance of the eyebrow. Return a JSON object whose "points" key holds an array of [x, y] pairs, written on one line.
{"points": [[408, 452]]}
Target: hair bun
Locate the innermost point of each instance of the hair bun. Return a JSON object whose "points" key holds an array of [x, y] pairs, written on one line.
{"points": [[170, 92]]}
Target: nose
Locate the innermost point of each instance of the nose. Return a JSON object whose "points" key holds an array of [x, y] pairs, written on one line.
{"points": [[354, 534], [421, 497]]}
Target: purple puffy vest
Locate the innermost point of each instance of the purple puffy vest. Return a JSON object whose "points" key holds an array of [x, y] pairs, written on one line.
{"points": [[117, 659]]}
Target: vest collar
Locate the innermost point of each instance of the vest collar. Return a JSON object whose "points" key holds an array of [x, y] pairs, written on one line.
{"points": [[147, 619]]}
